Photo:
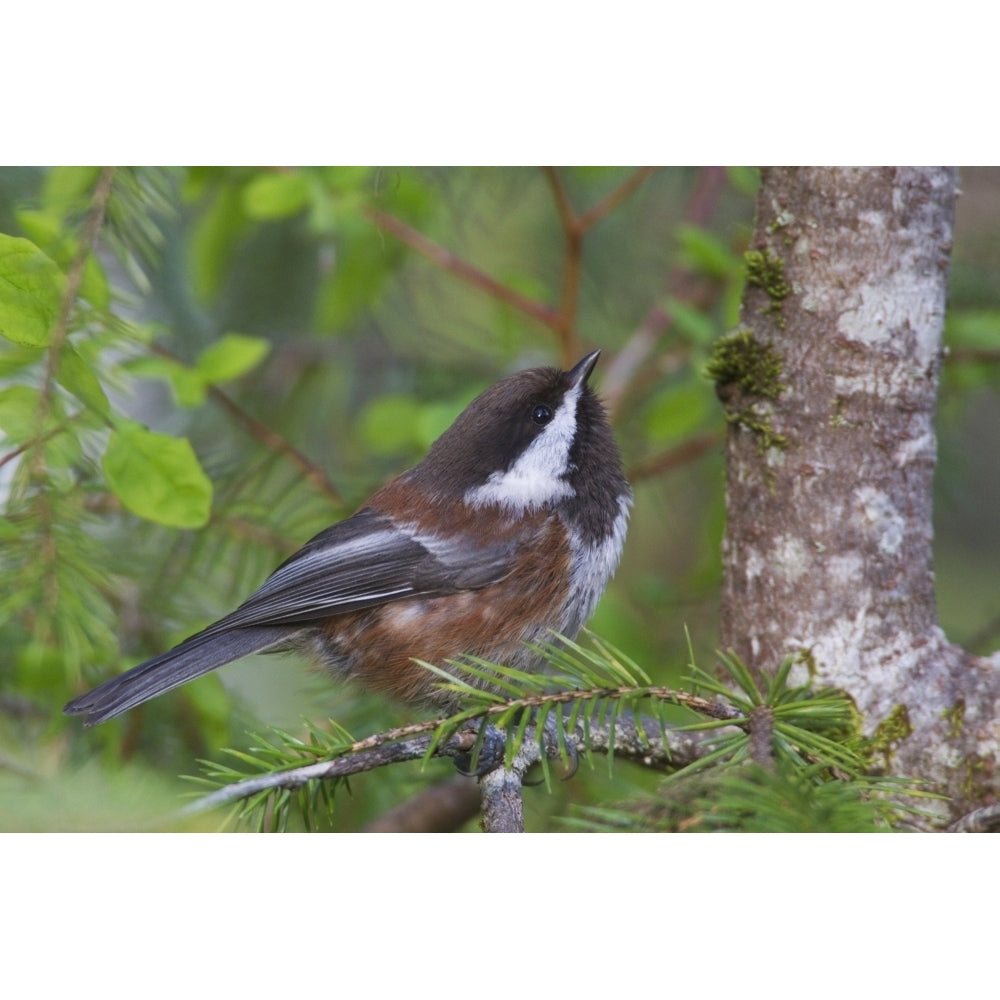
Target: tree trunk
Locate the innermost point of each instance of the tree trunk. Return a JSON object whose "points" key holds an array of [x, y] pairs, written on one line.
{"points": [[830, 389]]}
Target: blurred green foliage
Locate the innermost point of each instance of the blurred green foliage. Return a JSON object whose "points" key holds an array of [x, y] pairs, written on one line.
{"points": [[249, 352]]}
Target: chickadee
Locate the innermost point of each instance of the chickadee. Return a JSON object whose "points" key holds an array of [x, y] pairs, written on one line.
{"points": [[507, 532]]}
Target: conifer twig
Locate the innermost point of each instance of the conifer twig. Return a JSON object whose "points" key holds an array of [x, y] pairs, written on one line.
{"points": [[503, 805], [984, 820], [324, 770], [645, 745]]}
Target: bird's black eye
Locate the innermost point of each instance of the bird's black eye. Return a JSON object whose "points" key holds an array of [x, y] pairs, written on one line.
{"points": [[541, 414]]}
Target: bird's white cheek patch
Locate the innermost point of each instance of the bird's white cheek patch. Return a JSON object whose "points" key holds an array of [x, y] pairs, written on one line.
{"points": [[538, 476]]}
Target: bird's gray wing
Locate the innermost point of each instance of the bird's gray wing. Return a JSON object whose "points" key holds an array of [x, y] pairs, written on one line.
{"points": [[362, 562]]}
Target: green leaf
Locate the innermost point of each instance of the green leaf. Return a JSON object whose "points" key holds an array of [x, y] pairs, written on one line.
{"points": [[30, 291], [338, 198], [157, 477], [389, 423], [231, 356], [78, 377], [215, 233], [188, 385], [19, 413], [276, 196], [94, 285], [14, 360], [363, 259], [678, 410], [62, 451], [746, 180], [346, 178], [973, 328], [695, 325], [704, 252], [44, 228], [226, 359], [67, 188], [434, 419]]}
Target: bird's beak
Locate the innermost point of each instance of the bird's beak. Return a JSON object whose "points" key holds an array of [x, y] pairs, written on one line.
{"points": [[580, 372]]}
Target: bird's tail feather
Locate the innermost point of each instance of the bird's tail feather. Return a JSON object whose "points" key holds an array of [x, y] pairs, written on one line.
{"points": [[197, 655]]}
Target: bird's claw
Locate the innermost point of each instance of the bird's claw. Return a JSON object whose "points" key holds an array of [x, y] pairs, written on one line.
{"points": [[564, 751], [485, 756]]}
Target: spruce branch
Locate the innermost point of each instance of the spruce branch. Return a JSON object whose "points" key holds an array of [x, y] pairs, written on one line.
{"points": [[627, 737], [591, 702], [42, 503], [762, 735], [983, 820], [74, 279], [356, 762], [32, 444], [503, 805]]}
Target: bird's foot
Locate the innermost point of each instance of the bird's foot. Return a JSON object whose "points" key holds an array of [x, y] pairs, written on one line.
{"points": [[486, 754]]}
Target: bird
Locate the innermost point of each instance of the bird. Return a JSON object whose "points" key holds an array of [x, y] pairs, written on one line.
{"points": [[502, 538]]}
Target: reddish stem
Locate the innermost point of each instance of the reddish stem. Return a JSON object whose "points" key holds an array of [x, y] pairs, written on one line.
{"points": [[608, 204], [633, 356], [539, 311], [686, 451]]}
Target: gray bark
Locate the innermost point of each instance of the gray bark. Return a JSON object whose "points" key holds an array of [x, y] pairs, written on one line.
{"points": [[828, 548]]}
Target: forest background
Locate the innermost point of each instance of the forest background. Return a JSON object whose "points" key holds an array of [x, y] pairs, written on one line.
{"points": [[311, 331]]}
